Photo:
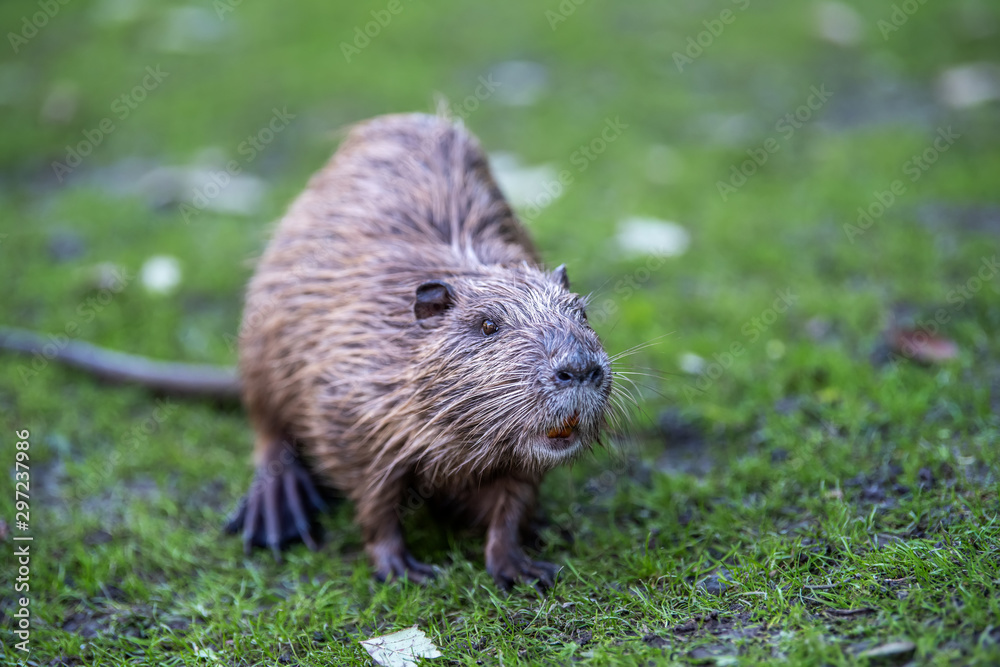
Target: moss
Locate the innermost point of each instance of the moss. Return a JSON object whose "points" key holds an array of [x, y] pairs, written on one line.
{"points": [[799, 503]]}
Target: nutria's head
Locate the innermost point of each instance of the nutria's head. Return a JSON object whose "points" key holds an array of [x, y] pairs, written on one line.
{"points": [[513, 373]]}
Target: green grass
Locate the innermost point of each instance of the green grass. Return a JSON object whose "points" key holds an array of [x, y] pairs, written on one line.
{"points": [[846, 504]]}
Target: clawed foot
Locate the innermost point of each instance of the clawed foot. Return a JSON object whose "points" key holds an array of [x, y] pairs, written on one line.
{"points": [[513, 566], [395, 562], [279, 507]]}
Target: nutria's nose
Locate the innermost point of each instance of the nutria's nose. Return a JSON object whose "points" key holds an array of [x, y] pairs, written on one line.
{"points": [[572, 374]]}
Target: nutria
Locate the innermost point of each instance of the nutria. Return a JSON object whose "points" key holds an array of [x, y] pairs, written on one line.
{"points": [[400, 336]]}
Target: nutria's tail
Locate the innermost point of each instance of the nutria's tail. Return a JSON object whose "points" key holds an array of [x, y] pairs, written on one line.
{"points": [[161, 376]]}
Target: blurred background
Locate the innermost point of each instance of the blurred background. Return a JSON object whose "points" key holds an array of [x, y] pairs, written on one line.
{"points": [[796, 203], [734, 141]]}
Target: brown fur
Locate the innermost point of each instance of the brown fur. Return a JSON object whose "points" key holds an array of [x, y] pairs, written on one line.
{"points": [[376, 400]]}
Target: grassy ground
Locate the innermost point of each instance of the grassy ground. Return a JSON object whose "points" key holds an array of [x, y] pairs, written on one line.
{"points": [[806, 495]]}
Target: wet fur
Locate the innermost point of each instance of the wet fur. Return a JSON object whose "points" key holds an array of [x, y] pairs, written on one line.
{"points": [[334, 361]]}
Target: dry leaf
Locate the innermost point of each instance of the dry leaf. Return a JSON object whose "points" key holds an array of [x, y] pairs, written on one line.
{"points": [[401, 649], [922, 346], [895, 651]]}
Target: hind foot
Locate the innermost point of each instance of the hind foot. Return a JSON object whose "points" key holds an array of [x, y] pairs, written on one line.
{"points": [[512, 566], [392, 560], [280, 506]]}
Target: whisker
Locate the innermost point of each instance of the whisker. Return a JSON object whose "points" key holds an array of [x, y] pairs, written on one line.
{"points": [[617, 401], [641, 346], [651, 372], [646, 386], [598, 290], [627, 403], [624, 391]]}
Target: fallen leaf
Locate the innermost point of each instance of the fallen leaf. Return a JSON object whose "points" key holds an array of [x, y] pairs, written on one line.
{"points": [[639, 236], [891, 652], [527, 187], [922, 346], [401, 649], [691, 363], [838, 23], [160, 274], [207, 653], [969, 85]]}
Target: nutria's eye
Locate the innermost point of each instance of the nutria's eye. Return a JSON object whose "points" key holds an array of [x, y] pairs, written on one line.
{"points": [[489, 327]]}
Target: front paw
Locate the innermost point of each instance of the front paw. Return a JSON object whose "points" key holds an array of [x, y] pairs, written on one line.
{"points": [[280, 507], [512, 566]]}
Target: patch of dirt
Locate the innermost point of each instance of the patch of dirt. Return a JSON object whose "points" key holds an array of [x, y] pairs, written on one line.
{"points": [[686, 448], [87, 624], [727, 631], [883, 486], [213, 495], [877, 487], [109, 613], [716, 582]]}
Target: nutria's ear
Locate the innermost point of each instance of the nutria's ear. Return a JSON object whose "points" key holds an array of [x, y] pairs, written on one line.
{"points": [[433, 298], [559, 276]]}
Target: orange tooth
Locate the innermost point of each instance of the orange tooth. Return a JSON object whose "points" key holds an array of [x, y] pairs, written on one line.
{"points": [[567, 427]]}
